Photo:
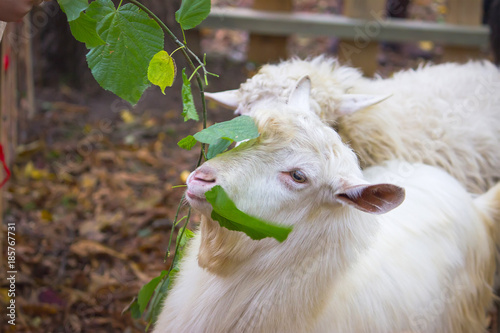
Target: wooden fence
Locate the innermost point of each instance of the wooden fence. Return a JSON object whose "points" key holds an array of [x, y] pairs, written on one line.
{"points": [[361, 27]]}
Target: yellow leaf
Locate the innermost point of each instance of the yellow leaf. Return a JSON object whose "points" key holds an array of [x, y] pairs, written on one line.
{"points": [[162, 136], [46, 215], [184, 175], [88, 181], [426, 45], [149, 123], [87, 129], [38, 174], [31, 172], [127, 116], [4, 295], [162, 70], [28, 169], [158, 146]]}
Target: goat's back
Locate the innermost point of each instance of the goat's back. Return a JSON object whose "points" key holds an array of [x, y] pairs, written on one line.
{"points": [[446, 115]]}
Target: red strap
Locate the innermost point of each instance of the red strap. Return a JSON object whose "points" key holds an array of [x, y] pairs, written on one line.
{"points": [[5, 167], [6, 62]]}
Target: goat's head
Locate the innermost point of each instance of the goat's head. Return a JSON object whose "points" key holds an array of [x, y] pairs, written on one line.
{"points": [[331, 85], [297, 168]]}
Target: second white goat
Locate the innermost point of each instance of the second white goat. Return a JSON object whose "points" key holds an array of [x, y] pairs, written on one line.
{"points": [[445, 115]]}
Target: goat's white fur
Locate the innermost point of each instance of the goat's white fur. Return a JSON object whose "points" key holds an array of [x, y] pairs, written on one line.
{"points": [[425, 266], [445, 115]]}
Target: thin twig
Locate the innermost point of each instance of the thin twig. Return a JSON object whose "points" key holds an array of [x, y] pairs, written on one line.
{"points": [[167, 254]]}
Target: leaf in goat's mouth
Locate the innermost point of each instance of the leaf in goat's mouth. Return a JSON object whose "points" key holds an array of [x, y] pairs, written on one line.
{"points": [[230, 217]]}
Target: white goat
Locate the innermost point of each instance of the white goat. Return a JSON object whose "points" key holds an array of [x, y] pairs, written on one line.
{"points": [[425, 266], [444, 115]]}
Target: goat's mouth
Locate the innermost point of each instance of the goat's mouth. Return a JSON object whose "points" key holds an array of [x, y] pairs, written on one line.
{"points": [[199, 182], [197, 200], [195, 197]]}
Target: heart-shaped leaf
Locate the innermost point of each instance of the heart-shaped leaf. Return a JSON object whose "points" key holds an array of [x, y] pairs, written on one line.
{"points": [[237, 129], [84, 30], [192, 13], [132, 39], [162, 70], [73, 8]]}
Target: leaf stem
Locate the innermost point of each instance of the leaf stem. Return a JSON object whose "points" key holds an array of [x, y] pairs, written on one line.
{"points": [[183, 35], [177, 49], [174, 223], [195, 71], [177, 245], [213, 74]]}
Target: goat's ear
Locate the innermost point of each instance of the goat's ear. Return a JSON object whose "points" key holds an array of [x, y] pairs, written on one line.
{"points": [[300, 95], [229, 99], [374, 199], [350, 103]]}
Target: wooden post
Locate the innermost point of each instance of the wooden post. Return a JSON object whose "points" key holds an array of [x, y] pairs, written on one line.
{"points": [[463, 12], [30, 79], [494, 23], [8, 105], [362, 51], [264, 48], [8, 93]]}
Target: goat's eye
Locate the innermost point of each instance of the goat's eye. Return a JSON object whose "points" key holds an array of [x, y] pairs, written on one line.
{"points": [[298, 176]]}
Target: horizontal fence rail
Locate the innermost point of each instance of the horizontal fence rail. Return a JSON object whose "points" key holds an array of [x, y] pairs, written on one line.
{"points": [[376, 29]]}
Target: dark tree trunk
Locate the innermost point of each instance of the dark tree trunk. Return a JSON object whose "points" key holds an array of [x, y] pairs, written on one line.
{"points": [[58, 56], [397, 8], [492, 17]]}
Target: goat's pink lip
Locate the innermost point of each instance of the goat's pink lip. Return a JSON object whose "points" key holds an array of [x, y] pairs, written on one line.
{"points": [[192, 196]]}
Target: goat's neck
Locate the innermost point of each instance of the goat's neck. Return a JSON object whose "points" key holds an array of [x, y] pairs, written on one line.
{"points": [[302, 270], [222, 250]]}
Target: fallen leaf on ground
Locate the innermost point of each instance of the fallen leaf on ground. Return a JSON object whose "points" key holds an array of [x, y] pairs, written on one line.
{"points": [[86, 248]]}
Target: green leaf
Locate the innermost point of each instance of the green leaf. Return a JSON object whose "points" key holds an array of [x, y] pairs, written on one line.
{"points": [[135, 311], [99, 9], [162, 70], [160, 293], [192, 13], [186, 236], [188, 108], [132, 39], [162, 283], [84, 30], [147, 291], [230, 217], [237, 129], [187, 143], [218, 147], [73, 8]]}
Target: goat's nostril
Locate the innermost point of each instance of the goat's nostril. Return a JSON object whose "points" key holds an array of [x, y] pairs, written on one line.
{"points": [[205, 177]]}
